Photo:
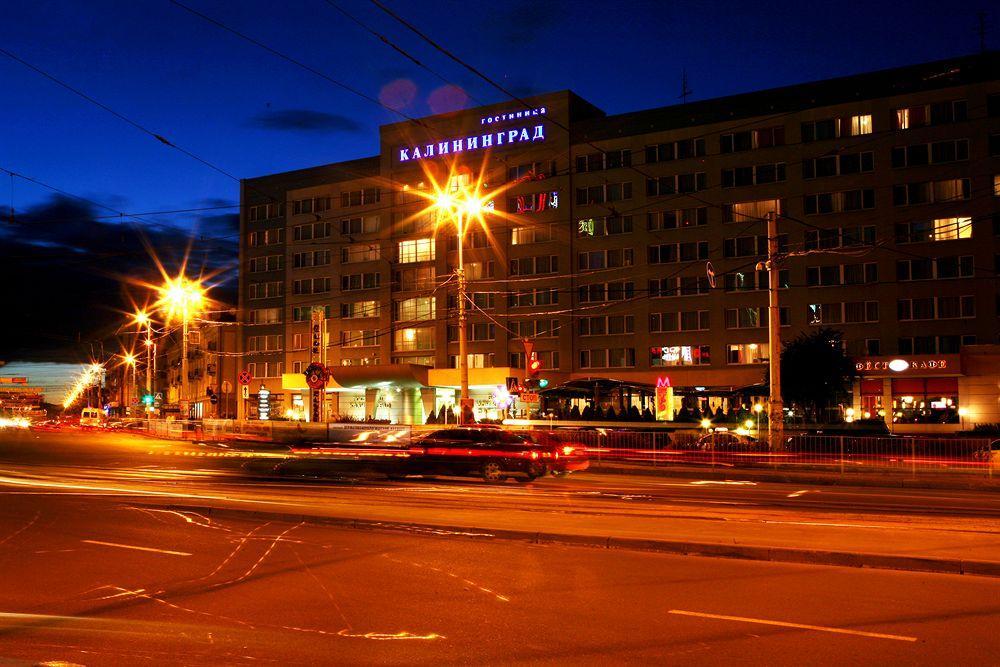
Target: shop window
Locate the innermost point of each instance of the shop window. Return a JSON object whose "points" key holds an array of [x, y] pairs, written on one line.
{"points": [[925, 400]]}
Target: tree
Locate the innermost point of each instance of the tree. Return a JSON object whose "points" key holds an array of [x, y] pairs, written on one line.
{"points": [[815, 370]]}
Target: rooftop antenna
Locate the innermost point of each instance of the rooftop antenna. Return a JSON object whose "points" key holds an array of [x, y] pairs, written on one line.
{"points": [[685, 90], [983, 29]]}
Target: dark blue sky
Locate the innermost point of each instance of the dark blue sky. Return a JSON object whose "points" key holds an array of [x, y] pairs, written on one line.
{"points": [[242, 108], [251, 113]]}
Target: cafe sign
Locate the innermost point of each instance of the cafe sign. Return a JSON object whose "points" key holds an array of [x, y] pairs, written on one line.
{"points": [[945, 364]]}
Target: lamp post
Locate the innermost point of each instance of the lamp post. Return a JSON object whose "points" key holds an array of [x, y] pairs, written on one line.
{"points": [[459, 210], [142, 319], [182, 298], [129, 359]]}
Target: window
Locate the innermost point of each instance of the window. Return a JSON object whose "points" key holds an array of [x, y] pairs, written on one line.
{"points": [[598, 161], [415, 278], [304, 313], [611, 291], [934, 268], [688, 320], [839, 202], [598, 194], [265, 316], [413, 339], [940, 229], [311, 286], [536, 328], [938, 113], [605, 259], [272, 343], [677, 218], [606, 325], [267, 237], [751, 210], [861, 125], [839, 237], [842, 313], [752, 139], [676, 184], [268, 263], [939, 152], [527, 172], [668, 253], [838, 165], [745, 353], [934, 344], [311, 205], [267, 290], [536, 297], [414, 310], [358, 309], [475, 332], [755, 175], [530, 266], [744, 246], [365, 225], [909, 194], [359, 338], [266, 369], [415, 250], [680, 355], [358, 281], [360, 197], [678, 286], [304, 260], [314, 230], [260, 212], [842, 274], [832, 128], [937, 308], [533, 203], [477, 360], [607, 226], [535, 234], [675, 150], [749, 281], [479, 270], [619, 357]]}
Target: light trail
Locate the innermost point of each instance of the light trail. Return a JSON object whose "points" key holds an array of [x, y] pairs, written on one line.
{"points": [[798, 626], [136, 548]]}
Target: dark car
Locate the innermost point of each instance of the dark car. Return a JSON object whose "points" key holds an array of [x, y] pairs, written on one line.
{"points": [[490, 453], [565, 454], [728, 441]]}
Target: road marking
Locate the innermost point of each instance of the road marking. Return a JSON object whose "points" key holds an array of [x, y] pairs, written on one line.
{"points": [[798, 493], [129, 546], [703, 482], [800, 626]]}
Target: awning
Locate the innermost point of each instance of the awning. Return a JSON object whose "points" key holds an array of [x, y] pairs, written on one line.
{"points": [[586, 387]]}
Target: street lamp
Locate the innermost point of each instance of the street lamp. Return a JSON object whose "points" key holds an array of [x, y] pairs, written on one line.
{"points": [[460, 209], [181, 298], [129, 359], [142, 319], [758, 408]]}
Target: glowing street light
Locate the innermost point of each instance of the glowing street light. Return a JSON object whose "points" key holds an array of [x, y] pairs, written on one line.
{"points": [[142, 319], [181, 298]]}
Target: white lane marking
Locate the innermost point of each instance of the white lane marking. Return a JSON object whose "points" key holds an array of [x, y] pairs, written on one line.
{"points": [[800, 626], [798, 493], [703, 482], [130, 546]]}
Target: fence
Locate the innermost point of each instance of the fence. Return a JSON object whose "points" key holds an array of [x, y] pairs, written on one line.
{"points": [[841, 454]]}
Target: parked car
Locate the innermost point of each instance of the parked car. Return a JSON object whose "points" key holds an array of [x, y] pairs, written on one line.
{"points": [[491, 453], [728, 441]]}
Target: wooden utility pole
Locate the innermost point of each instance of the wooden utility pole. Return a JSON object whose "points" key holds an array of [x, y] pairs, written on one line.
{"points": [[776, 412]]}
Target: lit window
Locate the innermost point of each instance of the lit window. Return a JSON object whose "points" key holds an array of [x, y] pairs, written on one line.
{"points": [[996, 185], [745, 353], [416, 250], [950, 229], [903, 119], [861, 125]]}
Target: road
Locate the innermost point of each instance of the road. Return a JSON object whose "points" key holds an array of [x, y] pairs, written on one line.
{"points": [[103, 565]]}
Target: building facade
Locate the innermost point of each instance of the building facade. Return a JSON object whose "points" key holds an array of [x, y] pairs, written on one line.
{"points": [[629, 246]]}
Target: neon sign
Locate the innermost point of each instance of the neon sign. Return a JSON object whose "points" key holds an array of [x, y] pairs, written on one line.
{"points": [[539, 201], [517, 135], [515, 115], [264, 403]]}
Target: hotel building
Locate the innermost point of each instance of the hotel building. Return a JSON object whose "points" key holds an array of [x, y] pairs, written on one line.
{"points": [[600, 232]]}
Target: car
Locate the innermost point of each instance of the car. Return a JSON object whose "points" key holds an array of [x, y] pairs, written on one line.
{"points": [[727, 441], [491, 453], [567, 454]]}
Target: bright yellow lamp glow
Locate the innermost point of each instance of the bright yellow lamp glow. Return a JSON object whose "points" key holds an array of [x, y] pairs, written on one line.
{"points": [[963, 412], [142, 318], [128, 359], [180, 298], [706, 424], [758, 407], [748, 423]]}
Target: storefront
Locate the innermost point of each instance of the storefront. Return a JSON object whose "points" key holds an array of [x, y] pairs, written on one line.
{"points": [[929, 393]]}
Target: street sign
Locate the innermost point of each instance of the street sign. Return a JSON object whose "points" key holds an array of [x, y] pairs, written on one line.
{"points": [[263, 403], [529, 397], [529, 348], [513, 385], [710, 272], [245, 377], [245, 392], [227, 387]]}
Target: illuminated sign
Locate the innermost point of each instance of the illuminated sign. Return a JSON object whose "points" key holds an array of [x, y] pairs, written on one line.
{"points": [[515, 115], [263, 403], [909, 365], [317, 314], [516, 135], [539, 201], [664, 400]]}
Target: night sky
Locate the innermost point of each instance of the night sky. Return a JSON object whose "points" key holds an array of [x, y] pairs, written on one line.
{"points": [[250, 113]]}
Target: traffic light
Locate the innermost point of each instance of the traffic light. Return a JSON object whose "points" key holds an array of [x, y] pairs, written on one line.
{"points": [[147, 399], [543, 383], [534, 367]]}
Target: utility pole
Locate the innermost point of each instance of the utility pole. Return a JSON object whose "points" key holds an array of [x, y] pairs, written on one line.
{"points": [[776, 412], [463, 360]]}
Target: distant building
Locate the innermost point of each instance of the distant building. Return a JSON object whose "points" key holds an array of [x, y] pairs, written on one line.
{"points": [[18, 399], [212, 367], [887, 185]]}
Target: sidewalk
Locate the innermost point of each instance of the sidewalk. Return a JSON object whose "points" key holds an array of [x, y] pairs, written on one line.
{"points": [[979, 481]]}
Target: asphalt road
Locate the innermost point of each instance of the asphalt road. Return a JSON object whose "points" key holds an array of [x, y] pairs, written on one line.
{"points": [[100, 579], [106, 560]]}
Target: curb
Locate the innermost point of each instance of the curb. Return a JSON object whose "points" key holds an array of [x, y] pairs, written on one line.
{"points": [[674, 547], [800, 478]]}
